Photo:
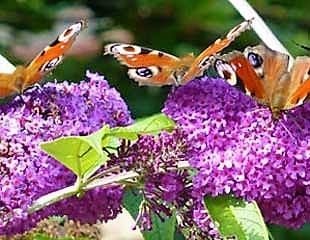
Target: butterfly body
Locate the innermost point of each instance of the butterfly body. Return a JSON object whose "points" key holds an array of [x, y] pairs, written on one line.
{"points": [[265, 74], [179, 69], [25, 76], [11, 83], [157, 68]]}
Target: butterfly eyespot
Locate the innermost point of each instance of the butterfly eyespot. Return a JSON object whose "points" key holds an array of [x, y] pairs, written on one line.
{"points": [[50, 65], [226, 71], [68, 33], [255, 60], [144, 72]]}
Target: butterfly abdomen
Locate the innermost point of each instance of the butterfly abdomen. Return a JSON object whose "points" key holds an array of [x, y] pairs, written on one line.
{"points": [[20, 79], [13, 83]]}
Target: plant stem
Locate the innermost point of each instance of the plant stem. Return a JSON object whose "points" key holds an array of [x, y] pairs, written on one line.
{"points": [[117, 179]]}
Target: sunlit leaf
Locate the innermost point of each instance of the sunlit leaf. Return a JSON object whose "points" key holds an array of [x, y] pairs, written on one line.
{"points": [[78, 153], [149, 125]]}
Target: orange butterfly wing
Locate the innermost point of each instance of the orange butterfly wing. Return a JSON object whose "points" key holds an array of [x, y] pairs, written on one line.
{"points": [[7, 87], [300, 82], [238, 72], [150, 67], [202, 62], [146, 66], [43, 63], [52, 55], [265, 73]]}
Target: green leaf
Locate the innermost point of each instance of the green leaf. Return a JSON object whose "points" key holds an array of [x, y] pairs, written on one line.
{"points": [[81, 154], [150, 125], [237, 218], [161, 230], [132, 202]]}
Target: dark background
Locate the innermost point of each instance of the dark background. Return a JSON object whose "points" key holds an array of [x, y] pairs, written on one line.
{"points": [[174, 26]]}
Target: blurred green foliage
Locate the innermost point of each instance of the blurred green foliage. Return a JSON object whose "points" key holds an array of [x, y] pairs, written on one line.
{"points": [[174, 26]]}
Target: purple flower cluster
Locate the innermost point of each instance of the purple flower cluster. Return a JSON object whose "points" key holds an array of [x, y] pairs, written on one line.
{"points": [[155, 159], [237, 148], [26, 173], [166, 188]]}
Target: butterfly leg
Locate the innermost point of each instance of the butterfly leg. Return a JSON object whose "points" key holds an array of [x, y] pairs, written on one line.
{"points": [[38, 87], [176, 82], [288, 131], [22, 100], [293, 118], [256, 110]]}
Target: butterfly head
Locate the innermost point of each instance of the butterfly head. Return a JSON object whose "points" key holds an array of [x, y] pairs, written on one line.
{"points": [[179, 73], [276, 112], [181, 67]]}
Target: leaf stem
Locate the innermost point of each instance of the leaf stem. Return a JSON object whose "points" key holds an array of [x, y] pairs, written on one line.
{"points": [[53, 197], [116, 179]]}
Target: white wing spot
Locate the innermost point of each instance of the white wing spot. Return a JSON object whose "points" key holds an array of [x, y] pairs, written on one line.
{"points": [[236, 31], [69, 32], [226, 71], [50, 65], [6, 66], [125, 49]]}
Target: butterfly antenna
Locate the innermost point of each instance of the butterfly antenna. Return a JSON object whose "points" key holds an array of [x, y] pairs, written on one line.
{"points": [[277, 121], [38, 87], [287, 130], [293, 118], [256, 110]]}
